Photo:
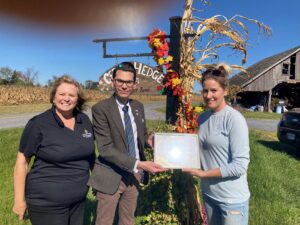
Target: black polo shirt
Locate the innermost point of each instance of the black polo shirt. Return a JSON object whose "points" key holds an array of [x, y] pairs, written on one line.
{"points": [[63, 158]]}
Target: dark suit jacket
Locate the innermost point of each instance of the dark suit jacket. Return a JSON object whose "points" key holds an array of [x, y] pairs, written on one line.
{"points": [[114, 161]]}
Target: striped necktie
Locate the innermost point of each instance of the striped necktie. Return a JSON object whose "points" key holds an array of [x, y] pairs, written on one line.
{"points": [[129, 132]]}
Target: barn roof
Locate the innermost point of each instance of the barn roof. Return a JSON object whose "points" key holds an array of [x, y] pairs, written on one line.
{"points": [[259, 68]]}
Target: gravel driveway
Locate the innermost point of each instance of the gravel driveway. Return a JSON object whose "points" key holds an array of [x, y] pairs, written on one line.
{"points": [[19, 120]]}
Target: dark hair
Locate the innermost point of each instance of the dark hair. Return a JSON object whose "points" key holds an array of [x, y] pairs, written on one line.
{"points": [[218, 73], [125, 66], [67, 79]]}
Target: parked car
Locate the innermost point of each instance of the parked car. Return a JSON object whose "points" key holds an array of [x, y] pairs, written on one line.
{"points": [[288, 129]]}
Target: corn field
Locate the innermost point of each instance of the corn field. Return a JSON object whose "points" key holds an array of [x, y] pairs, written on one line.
{"points": [[14, 95]]}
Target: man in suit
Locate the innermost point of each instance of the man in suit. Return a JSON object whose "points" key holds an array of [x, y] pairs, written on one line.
{"points": [[121, 134]]}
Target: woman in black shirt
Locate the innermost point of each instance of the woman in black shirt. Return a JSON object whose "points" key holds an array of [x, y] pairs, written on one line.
{"points": [[62, 141]]}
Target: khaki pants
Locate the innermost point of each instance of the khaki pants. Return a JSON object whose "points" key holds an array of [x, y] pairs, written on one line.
{"points": [[126, 196]]}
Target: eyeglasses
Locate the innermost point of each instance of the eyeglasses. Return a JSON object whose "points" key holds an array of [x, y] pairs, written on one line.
{"points": [[129, 83]]}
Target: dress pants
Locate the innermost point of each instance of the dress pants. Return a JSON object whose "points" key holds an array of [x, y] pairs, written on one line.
{"points": [[126, 197]]}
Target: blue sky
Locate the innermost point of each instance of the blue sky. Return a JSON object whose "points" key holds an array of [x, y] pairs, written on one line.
{"points": [[56, 51]]}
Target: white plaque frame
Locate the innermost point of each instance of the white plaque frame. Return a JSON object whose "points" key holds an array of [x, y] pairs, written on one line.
{"points": [[177, 150]]}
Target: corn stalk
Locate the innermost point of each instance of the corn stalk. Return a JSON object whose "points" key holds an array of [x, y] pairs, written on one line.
{"points": [[193, 45]]}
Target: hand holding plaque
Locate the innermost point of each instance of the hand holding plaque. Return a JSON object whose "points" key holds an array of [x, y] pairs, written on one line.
{"points": [[176, 150]]}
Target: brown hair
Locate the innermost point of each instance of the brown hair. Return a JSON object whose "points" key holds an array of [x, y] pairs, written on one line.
{"points": [[218, 73], [67, 79]]}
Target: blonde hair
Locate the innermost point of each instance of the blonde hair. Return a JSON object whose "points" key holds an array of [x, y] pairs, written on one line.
{"points": [[224, 67], [67, 79]]}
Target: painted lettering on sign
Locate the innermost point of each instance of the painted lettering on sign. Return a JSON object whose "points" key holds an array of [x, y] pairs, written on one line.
{"points": [[141, 69]]}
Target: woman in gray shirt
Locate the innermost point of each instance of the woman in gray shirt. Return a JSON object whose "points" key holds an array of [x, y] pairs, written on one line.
{"points": [[224, 143]]}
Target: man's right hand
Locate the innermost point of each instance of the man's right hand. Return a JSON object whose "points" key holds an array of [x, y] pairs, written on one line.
{"points": [[19, 209], [150, 167]]}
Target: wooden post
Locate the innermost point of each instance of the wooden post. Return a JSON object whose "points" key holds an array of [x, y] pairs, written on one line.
{"points": [[172, 101], [269, 100]]}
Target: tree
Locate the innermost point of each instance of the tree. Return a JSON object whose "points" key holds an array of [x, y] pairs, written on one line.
{"points": [[6, 75], [30, 76], [232, 96], [89, 84], [50, 82], [17, 78], [9, 76]]}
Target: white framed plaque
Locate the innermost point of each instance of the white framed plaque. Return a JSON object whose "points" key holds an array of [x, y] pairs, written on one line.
{"points": [[177, 150]]}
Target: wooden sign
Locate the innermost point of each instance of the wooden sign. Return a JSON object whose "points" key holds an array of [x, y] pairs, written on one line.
{"points": [[148, 78]]}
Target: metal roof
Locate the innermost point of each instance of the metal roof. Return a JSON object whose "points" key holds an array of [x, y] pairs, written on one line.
{"points": [[258, 69]]}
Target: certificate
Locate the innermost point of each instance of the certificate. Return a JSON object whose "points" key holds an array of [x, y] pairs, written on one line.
{"points": [[177, 150]]}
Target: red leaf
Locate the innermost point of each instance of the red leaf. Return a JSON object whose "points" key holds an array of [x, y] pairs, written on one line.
{"points": [[159, 87]]}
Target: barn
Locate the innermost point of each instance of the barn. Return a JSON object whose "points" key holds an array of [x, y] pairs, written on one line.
{"points": [[270, 80]]}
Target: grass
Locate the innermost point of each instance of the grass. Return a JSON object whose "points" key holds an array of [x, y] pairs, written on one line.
{"points": [[27, 108], [261, 115], [8, 149], [273, 177], [161, 109], [20, 109], [246, 114], [274, 181]]}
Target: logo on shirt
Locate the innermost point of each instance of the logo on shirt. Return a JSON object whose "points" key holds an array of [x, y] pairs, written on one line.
{"points": [[86, 134]]}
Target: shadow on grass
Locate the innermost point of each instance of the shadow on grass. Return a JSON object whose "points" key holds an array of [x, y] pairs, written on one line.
{"points": [[154, 197], [281, 147], [90, 212]]}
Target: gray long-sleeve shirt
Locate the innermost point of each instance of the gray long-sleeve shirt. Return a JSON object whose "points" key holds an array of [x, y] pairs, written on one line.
{"points": [[224, 143]]}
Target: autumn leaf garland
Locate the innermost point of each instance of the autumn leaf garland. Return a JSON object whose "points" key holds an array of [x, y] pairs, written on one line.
{"points": [[160, 46], [187, 120]]}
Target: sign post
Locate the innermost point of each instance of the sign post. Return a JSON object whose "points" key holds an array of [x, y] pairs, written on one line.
{"points": [[175, 23], [172, 101]]}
